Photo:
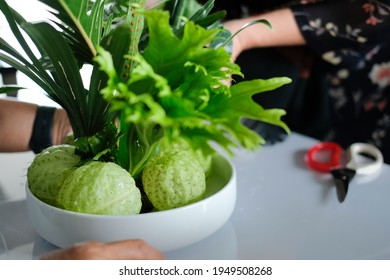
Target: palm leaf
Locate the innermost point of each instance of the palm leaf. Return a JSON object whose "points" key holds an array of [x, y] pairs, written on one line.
{"points": [[7, 89], [177, 12], [70, 92], [202, 18], [88, 21], [81, 28], [203, 11], [33, 70], [17, 61], [118, 49]]}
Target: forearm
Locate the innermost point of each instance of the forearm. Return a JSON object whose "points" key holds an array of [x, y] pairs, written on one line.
{"points": [[284, 32], [16, 125]]}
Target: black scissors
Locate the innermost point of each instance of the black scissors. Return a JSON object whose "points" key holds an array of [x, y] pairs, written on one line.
{"points": [[343, 174]]}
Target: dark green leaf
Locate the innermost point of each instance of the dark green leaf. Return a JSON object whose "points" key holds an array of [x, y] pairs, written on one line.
{"points": [[72, 96], [7, 89]]}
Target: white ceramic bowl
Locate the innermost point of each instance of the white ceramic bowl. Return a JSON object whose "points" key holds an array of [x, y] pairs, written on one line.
{"points": [[165, 230]]}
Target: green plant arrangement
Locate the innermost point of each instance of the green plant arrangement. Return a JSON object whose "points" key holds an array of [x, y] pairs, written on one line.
{"points": [[157, 105]]}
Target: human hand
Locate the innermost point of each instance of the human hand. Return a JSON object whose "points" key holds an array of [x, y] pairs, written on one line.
{"points": [[121, 250], [285, 31], [233, 27], [151, 3]]}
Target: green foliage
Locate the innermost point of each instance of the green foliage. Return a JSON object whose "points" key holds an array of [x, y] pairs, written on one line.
{"points": [[179, 89], [164, 79]]}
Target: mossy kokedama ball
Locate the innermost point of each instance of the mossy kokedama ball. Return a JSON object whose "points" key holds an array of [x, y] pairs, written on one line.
{"points": [[102, 188], [173, 179]]}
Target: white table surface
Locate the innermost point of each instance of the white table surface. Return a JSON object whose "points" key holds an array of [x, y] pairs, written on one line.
{"points": [[283, 211]]}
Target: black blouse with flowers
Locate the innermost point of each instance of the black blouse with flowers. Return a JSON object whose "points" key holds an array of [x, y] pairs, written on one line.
{"points": [[352, 37]]}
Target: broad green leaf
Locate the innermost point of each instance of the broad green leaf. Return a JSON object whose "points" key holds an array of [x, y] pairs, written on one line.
{"points": [[89, 21], [69, 28], [189, 51], [230, 109]]}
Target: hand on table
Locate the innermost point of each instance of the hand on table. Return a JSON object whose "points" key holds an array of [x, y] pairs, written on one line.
{"points": [[120, 250]]}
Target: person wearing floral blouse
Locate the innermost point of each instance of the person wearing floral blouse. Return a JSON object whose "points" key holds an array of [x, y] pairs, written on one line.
{"points": [[336, 52]]}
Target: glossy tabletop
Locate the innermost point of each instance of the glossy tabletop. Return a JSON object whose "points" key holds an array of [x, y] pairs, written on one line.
{"points": [[283, 211]]}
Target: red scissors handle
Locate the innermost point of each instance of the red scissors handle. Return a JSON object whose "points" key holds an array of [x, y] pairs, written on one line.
{"points": [[335, 151]]}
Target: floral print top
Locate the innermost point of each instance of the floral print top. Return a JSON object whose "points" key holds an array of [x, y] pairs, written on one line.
{"points": [[353, 37]]}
